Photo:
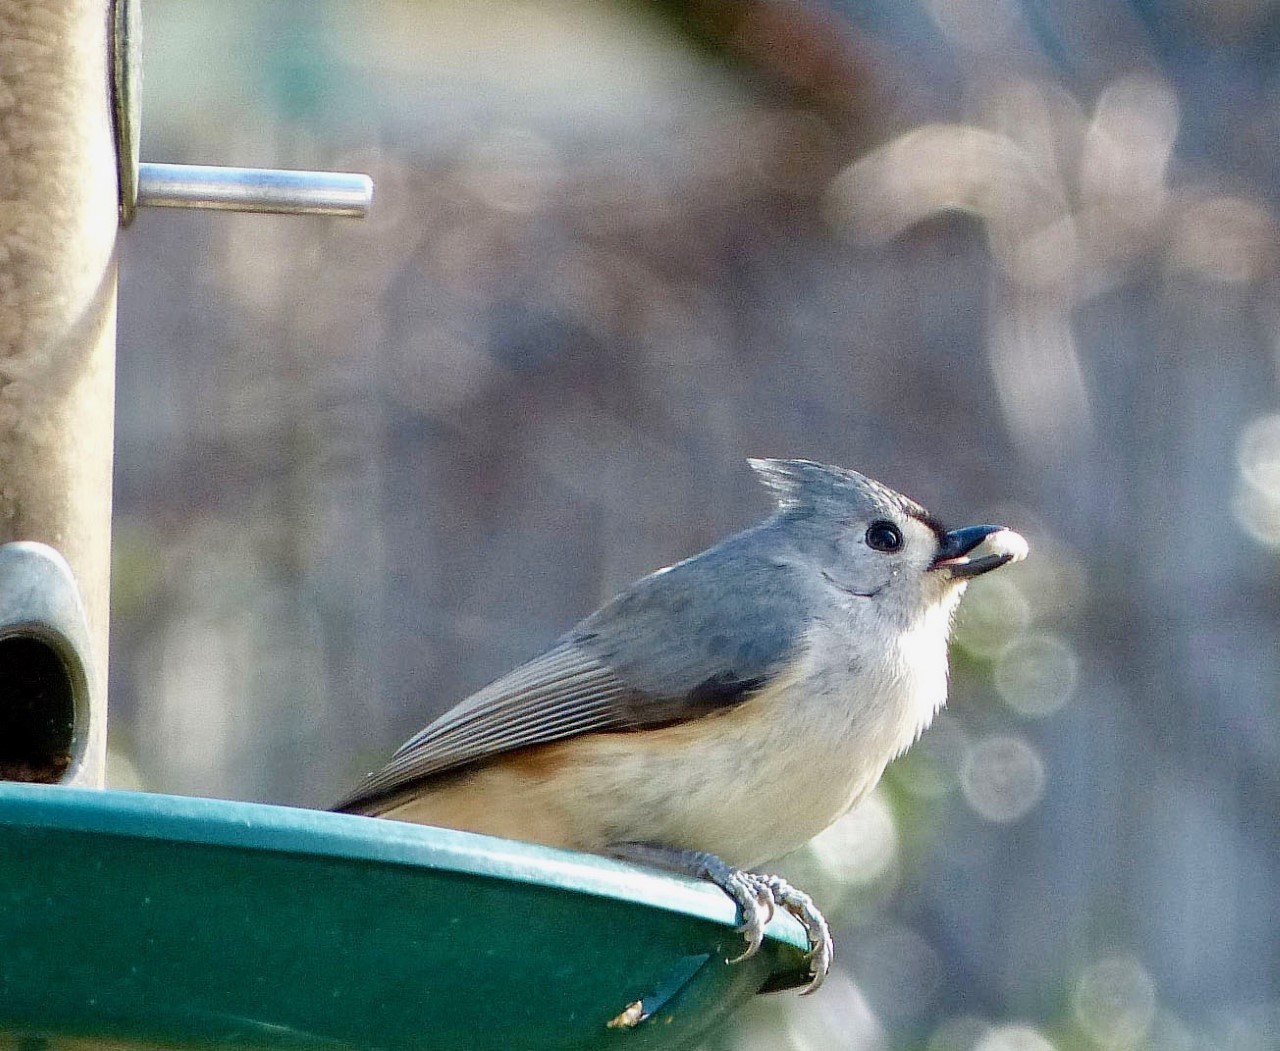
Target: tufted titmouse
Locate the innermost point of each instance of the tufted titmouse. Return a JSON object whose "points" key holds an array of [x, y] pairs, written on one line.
{"points": [[723, 711]]}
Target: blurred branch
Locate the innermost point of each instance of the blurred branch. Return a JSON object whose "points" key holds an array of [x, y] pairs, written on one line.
{"points": [[796, 47]]}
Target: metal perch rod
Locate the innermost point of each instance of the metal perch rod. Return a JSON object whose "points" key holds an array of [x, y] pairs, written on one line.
{"points": [[254, 190]]}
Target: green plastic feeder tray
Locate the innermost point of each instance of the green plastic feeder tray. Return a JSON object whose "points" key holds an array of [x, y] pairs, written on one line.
{"points": [[150, 920]]}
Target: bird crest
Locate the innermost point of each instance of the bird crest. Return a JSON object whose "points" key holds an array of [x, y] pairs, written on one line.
{"points": [[803, 484]]}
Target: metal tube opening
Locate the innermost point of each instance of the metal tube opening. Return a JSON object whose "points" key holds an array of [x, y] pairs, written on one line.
{"points": [[37, 711]]}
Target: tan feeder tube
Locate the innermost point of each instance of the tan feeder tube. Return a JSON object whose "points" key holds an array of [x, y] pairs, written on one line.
{"points": [[58, 223]]}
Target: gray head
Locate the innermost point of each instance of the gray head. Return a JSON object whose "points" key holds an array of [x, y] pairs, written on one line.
{"points": [[869, 541]]}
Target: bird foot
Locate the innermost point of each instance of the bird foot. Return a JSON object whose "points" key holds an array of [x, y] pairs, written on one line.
{"points": [[757, 896]]}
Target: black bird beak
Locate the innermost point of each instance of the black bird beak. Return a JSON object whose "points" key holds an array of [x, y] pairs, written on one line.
{"points": [[974, 550]]}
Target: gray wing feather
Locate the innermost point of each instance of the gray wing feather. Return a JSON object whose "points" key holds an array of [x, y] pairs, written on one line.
{"points": [[562, 693], [683, 642]]}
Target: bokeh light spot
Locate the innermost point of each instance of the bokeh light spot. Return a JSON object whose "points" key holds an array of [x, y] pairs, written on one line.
{"points": [[1036, 675], [962, 1033], [1003, 778], [842, 1018], [993, 614], [1014, 1038], [862, 846], [1258, 454], [1114, 1003], [1257, 499], [1258, 515]]}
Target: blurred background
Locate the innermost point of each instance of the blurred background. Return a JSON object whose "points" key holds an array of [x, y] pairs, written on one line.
{"points": [[1016, 258]]}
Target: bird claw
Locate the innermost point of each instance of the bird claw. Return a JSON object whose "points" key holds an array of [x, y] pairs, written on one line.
{"points": [[755, 903], [757, 896], [801, 906]]}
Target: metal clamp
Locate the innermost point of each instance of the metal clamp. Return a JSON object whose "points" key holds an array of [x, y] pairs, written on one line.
{"points": [[126, 99], [204, 186]]}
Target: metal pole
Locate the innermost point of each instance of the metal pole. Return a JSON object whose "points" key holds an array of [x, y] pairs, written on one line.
{"points": [[58, 222], [254, 190]]}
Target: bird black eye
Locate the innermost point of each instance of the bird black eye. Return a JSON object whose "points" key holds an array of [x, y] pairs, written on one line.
{"points": [[884, 536]]}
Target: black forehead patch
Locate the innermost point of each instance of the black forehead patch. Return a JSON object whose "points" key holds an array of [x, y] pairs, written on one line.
{"points": [[939, 530]]}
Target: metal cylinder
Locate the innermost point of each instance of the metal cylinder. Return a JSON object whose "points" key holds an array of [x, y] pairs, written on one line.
{"points": [[254, 189], [46, 682], [58, 223]]}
